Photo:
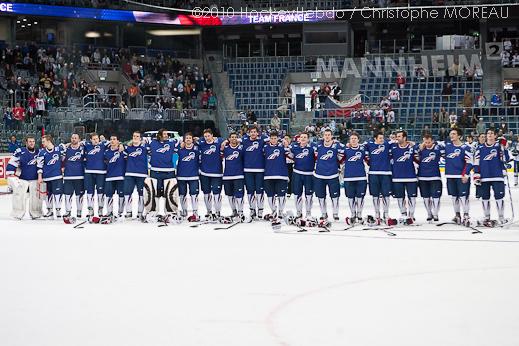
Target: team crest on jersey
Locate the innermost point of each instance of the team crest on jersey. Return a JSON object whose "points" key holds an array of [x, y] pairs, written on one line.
{"points": [[492, 155], [136, 153], [274, 154], [94, 151], [303, 154], [189, 157], [32, 162], [76, 157], [211, 150], [164, 149], [454, 154], [115, 157], [54, 159], [356, 157], [429, 158], [381, 148], [327, 156], [405, 157], [234, 155], [254, 146]]}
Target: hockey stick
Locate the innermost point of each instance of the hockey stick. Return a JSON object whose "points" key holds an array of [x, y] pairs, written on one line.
{"points": [[227, 227], [80, 225]]}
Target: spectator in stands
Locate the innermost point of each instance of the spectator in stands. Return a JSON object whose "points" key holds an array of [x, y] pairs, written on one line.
{"points": [[211, 102], [482, 100], [178, 104], [464, 119], [133, 91], [313, 98], [447, 90], [208, 82], [419, 72], [435, 118], [468, 72], [251, 116], [385, 104], [442, 134], [503, 126], [468, 99], [275, 122], [18, 114], [513, 100], [496, 99], [336, 91], [394, 95], [443, 117], [400, 81], [13, 144], [453, 120], [41, 105], [124, 109], [478, 72], [480, 127], [515, 59], [505, 58], [390, 118], [8, 118]]}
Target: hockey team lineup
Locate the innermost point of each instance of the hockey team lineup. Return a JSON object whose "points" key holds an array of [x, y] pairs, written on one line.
{"points": [[165, 176]]}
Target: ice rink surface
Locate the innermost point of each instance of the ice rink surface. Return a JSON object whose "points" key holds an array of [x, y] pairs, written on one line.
{"points": [[131, 284]]}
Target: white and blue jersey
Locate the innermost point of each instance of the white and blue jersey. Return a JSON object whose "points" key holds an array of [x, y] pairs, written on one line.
{"points": [[95, 157], [304, 158], [275, 162], [161, 155], [188, 165], [354, 168], [327, 160], [402, 163], [26, 161], [210, 158], [458, 160], [49, 164], [379, 158], [429, 162], [136, 160], [233, 162], [115, 164], [74, 163], [488, 162], [253, 158]]}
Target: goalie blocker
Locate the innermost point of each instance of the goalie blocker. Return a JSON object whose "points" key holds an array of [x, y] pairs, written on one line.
{"points": [[23, 190]]}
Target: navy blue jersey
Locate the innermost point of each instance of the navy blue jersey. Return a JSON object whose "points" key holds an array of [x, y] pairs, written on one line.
{"points": [[488, 162], [233, 162], [275, 162], [304, 158], [25, 160], [458, 160], [74, 163], [115, 164], [188, 165], [136, 160], [253, 158], [379, 158], [161, 155], [95, 157], [402, 163], [328, 159], [429, 162], [210, 158], [49, 163], [354, 168]]}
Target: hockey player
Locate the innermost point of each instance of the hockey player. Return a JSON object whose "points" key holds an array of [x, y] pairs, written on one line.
{"points": [[379, 177], [95, 171], [254, 167], [404, 176], [161, 151], [303, 154], [428, 155], [233, 178], [489, 161], [458, 164], [187, 175], [211, 173], [73, 158], [275, 176], [329, 154], [136, 155], [482, 138], [514, 150], [24, 159], [115, 170], [49, 171], [355, 181]]}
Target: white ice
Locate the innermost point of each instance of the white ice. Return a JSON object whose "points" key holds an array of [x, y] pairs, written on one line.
{"points": [[132, 284]]}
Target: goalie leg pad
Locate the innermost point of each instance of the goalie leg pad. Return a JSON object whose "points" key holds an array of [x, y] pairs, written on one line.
{"points": [[19, 196], [150, 193], [37, 194], [171, 194]]}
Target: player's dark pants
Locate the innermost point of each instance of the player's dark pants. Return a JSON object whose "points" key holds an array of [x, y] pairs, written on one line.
{"points": [[516, 167], [275, 187], [380, 185], [400, 189], [334, 189], [54, 187], [183, 186], [254, 182], [430, 188], [290, 167], [161, 177], [355, 189], [211, 184], [300, 181], [94, 182], [498, 187], [233, 187], [457, 188], [73, 186], [114, 185], [131, 182]]}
